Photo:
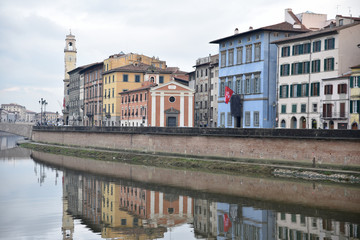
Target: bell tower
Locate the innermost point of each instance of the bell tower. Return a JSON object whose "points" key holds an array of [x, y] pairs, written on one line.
{"points": [[70, 64], [70, 54]]}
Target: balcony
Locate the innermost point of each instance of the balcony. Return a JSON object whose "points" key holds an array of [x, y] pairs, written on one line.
{"points": [[334, 116]]}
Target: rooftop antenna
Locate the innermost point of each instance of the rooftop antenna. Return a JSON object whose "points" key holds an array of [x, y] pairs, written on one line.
{"points": [[350, 11]]}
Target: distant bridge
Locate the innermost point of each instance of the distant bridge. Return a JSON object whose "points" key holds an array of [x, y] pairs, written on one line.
{"points": [[22, 129]]}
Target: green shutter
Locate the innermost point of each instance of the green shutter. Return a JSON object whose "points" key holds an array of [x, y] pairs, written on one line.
{"points": [[326, 44], [287, 91], [307, 89], [333, 43], [282, 51], [291, 90], [351, 82], [281, 70], [293, 50], [325, 64], [298, 90], [358, 106], [288, 70], [318, 89], [351, 106], [308, 67], [312, 66], [332, 64], [312, 90], [300, 68], [292, 68], [280, 95], [301, 50]]}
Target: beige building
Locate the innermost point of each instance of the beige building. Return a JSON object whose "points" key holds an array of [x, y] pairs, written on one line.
{"points": [[18, 110], [355, 97]]}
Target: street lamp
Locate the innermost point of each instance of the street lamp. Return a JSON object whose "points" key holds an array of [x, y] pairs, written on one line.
{"points": [[42, 103]]}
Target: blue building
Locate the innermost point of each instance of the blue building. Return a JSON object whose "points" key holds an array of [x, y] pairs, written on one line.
{"points": [[248, 66]]}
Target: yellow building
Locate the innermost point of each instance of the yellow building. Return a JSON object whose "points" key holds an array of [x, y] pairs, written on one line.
{"points": [[118, 222], [128, 77], [355, 97]]}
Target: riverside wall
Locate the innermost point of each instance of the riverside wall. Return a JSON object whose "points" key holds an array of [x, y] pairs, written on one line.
{"points": [[322, 195], [328, 147]]}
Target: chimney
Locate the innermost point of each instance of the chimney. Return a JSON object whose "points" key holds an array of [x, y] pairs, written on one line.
{"points": [[236, 31], [250, 28]]}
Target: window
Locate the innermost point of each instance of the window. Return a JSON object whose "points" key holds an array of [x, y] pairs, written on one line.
{"points": [[257, 52], [247, 118], [293, 108], [329, 43], [229, 119], [342, 88], [303, 108], [201, 88], [297, 49], [314, 107], [238, 87], [283, 108], [304, 89], [327, 110], [329, 64], [342, 110], [248, 53], [317, 46], [222, 88], [341, 22], [285, 70], [247, 84], [256, 119], [328, 89], [223, 60], [285, 51], [137, 78], [315, 89], [231, 57], [112, 93], [355, 106], [257, 83], [300, 68], [306, 47], [354, 81], [125, 77], [112, 108], [315, 66], [295, 90], [171, 99], [206, 72], [284, 91], [239, 55], [113, 78], [222, 119], [230, 85]]}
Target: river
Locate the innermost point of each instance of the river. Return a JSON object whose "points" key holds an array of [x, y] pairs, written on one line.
{"points": [[43, 200]]}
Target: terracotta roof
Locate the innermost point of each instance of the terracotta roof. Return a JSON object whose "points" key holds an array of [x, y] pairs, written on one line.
{"points": [[348, 17], [182, 77], [80, 68], [326, 31], [280, 27], [139, 67], [87, 67]]}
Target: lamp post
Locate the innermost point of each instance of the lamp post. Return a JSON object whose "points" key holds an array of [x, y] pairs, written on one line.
{"points": [[42, 103]]}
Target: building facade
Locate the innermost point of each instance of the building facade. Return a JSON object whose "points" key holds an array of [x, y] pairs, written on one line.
{"points": [[70, 64], [206, 79], [18, 110], [307, 66], [171, 105], [75, 116], [92, 94], [125, 78], [248, 67], [355, 97]]}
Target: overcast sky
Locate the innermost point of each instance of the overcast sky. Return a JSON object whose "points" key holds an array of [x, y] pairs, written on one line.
{"points": [[32, 35]]}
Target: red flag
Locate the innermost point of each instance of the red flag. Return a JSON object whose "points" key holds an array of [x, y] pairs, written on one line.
{"points": [[64, 103], [227, 223], [228, 94]]}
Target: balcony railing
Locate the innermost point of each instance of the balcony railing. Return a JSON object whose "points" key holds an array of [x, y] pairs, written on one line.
{"points": [[334, 115]]}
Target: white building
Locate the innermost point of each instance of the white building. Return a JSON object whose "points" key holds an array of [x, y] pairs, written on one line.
{"points": [[18, 110], [306, 63]]}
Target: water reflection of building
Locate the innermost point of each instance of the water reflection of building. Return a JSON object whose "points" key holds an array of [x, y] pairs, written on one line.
{"points": [[296, 226], [67, 228], [205, 219]]}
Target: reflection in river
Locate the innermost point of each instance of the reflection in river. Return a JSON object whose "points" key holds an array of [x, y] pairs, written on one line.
{"points": [[128, 210], [40, 201]]}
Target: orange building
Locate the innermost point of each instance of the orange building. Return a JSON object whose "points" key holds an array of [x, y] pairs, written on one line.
{"points": [[170, 104]]}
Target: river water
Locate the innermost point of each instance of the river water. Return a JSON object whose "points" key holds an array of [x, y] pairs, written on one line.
{"points": [[39, 200]]}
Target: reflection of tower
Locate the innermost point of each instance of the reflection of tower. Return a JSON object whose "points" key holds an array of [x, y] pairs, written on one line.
{"points": [[70, 64], [67, 221]]}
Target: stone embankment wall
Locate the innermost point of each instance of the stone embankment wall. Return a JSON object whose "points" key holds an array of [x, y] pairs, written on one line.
{"points": [[333, 147], [22, 129], [327, 196]]}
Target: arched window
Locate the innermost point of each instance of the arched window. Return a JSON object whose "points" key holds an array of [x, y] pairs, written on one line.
{"points": [[283, 123], [293, 122]]}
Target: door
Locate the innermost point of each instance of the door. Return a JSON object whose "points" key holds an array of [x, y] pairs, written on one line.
{"points": [[171, 121]]}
